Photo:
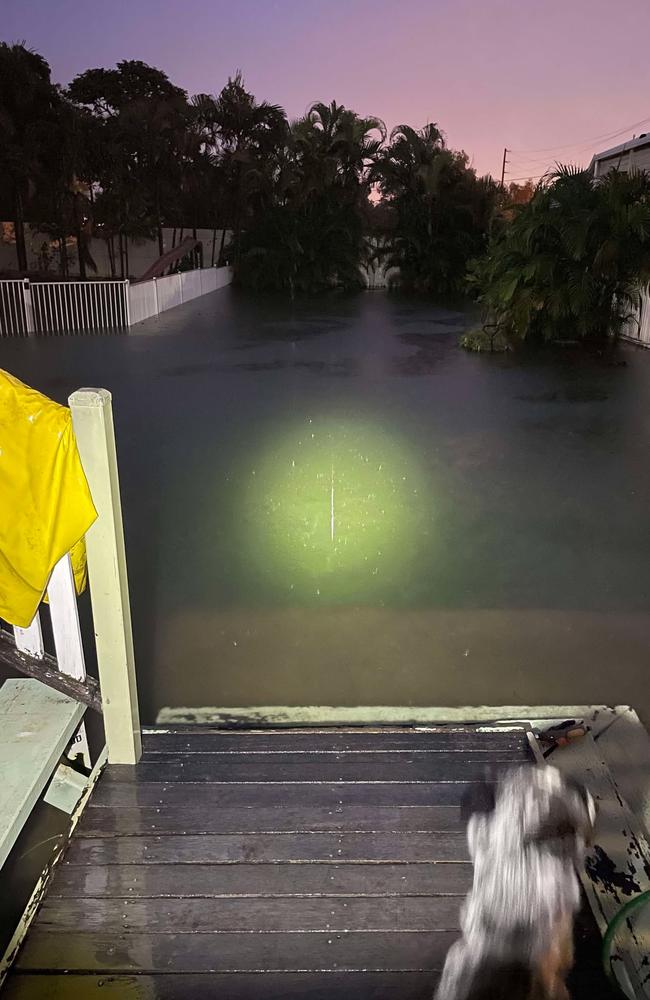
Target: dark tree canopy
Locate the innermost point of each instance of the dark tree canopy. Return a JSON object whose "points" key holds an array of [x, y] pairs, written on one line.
{"points": [[123, 152]]}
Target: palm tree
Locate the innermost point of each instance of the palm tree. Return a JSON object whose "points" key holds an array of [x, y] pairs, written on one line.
{"points": [[570, 263], [248, 132], [442, 209], [308, 226]]}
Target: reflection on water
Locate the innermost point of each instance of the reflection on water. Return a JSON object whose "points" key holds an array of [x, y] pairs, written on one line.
{"points": [[461, 529]]}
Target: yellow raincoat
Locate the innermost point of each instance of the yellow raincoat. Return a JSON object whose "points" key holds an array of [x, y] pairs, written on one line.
{"points": [[45, 503]]}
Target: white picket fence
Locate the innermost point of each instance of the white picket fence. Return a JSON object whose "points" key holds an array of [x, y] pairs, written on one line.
{"points": [[28, 307]]}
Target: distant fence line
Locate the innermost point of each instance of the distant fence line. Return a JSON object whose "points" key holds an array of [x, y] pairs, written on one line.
{"points": [[57, 307]]}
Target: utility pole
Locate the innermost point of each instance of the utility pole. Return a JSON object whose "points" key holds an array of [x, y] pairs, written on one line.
{"points": [[503, 167]]}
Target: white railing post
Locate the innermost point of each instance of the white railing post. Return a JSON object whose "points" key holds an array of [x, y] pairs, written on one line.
{"points": [[92, 419], [64, 615], [29, 307], [155, 289], [127, 286], [30, 640]]}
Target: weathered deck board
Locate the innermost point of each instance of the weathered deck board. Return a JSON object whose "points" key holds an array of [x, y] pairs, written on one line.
{"points": [[192, 880], [215, 795], [239, 986], [197, 818], [272, 847], [447, 740], [204, 916], [311, 951], [265, 865], [287, 767]]}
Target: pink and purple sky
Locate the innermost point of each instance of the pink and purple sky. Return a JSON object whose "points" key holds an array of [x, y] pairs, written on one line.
{"points": [[555, 75]]}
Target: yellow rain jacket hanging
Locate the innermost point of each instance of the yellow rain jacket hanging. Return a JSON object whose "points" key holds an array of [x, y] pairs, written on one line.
{"points": [[45, 504]]}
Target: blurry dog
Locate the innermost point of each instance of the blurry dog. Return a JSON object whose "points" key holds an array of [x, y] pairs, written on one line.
{"points": [[526, 836]]}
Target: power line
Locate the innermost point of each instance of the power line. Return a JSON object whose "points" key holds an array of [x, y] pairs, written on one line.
{"points": [[534, 162], [516, 180], [585, 142]]}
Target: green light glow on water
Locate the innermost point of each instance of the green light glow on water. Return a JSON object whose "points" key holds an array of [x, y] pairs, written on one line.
{"points": [[334, 510]]}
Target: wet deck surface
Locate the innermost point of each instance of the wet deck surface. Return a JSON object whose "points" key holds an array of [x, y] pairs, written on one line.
{"points": [[259, 865]]}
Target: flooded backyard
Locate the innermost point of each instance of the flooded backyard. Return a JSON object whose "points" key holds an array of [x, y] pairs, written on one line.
{"points": [[330, 503]]}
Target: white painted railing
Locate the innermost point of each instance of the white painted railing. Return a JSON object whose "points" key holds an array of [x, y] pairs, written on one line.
{"points": [[38, 724], [64, 306], [64, 616], [92, 419]]}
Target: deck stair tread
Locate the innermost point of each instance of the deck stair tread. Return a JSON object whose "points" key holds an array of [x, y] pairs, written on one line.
{"points": [[36, 725]]}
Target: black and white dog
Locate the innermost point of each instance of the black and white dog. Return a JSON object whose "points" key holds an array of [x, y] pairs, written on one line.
{"points": [[526, 836]]}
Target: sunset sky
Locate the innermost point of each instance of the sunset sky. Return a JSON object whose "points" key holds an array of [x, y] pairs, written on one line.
{"points": [[492, 73]]}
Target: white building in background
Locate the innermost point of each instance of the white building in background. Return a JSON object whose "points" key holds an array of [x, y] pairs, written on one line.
{"points": [[142, 253], [631, 155]]}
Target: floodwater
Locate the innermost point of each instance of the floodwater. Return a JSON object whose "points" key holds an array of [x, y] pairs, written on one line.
{"points": [[330, 503]]}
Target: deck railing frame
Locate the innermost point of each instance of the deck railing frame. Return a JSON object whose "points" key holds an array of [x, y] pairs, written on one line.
{"points": [[92, 420]]}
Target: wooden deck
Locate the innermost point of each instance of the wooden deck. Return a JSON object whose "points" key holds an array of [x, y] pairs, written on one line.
{"points": [[264, 864]]}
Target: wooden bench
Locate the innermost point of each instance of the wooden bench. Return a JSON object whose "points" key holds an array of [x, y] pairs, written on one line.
{"points": [[36, 726]]}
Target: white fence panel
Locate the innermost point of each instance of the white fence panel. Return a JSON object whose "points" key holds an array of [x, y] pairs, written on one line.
{"points": [[64, 306], [224, 276], [13, 312], [169, 292], [209, 279], [190, 284], [142, 301]]}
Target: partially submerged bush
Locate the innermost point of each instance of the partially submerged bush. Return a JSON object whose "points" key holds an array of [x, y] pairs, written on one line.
{"points": [[482, 339], [569, 264]]}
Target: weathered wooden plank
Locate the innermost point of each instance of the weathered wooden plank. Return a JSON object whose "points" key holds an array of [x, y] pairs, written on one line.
{"points": [[445, 740], [391, 766], [229, 986], [122, 794], [235, 848], [315, 951], [198, 818], [36, 725], [205, 916], [46, 670], [209, 880]]}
